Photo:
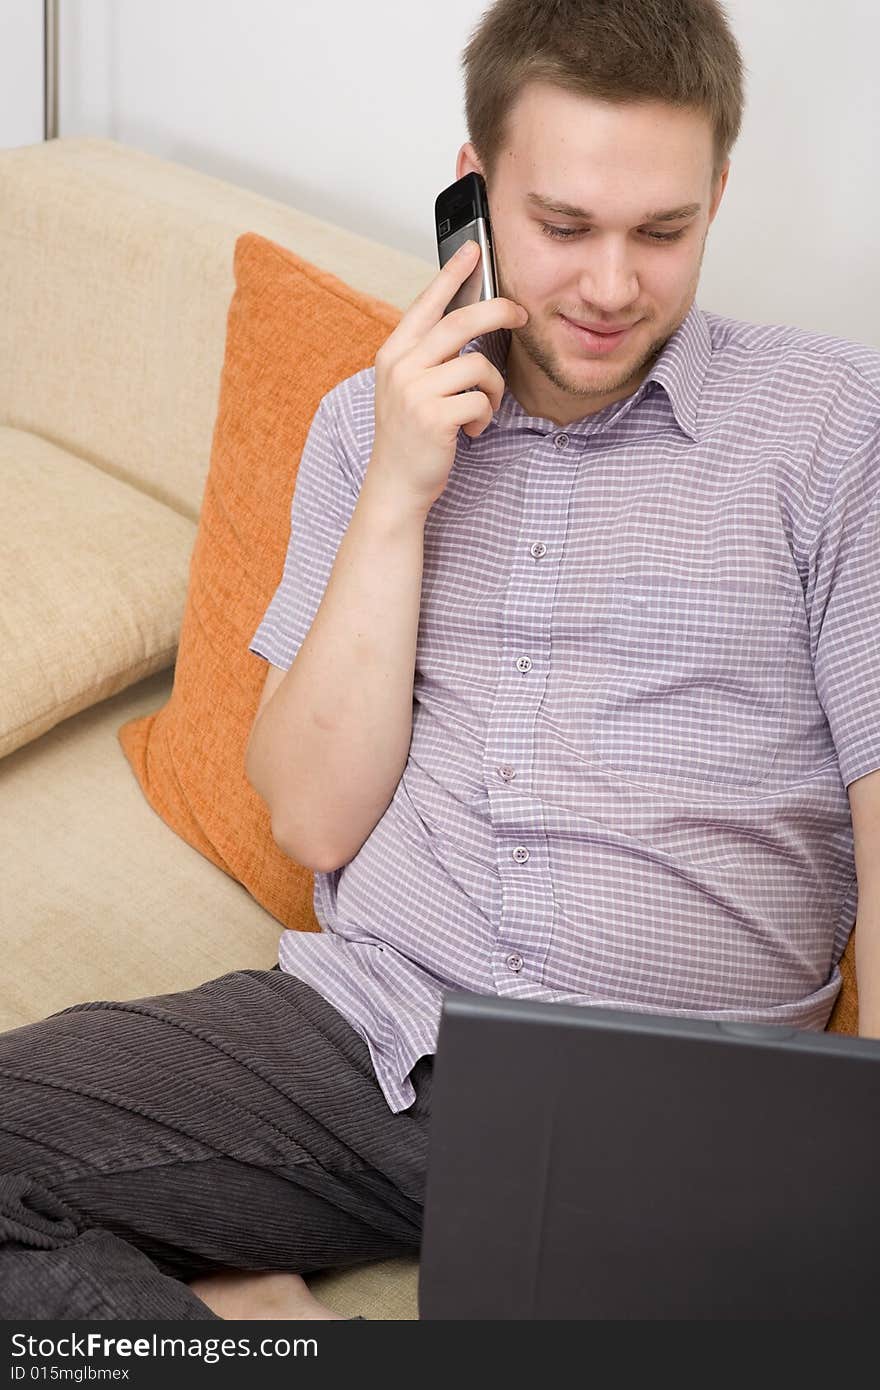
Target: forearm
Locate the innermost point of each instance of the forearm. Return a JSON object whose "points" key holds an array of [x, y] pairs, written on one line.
{"points": [[868, 963], [329, 748]]}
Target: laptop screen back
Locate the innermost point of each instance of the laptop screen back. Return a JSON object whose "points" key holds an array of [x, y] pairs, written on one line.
{"points": [[590, 1163]]}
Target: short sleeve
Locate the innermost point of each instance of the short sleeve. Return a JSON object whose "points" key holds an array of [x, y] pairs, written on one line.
{"points": [[323, 501], [844, 609]]}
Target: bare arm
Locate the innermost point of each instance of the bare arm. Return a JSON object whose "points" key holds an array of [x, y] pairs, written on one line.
{"points": [[327, 750]]}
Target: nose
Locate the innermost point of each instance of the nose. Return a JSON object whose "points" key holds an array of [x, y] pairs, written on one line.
{"points": [[608, 282]]}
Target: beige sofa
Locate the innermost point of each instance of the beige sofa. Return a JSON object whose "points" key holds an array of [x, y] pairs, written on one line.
{"points": [[116, 274]]}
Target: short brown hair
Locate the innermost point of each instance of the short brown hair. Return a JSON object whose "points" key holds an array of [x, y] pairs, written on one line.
{"points": [[682, 52]]}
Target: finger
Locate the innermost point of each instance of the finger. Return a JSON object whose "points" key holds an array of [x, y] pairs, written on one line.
{"points": [[470, 372], [454, 330], [427, 308], [472, 412]]}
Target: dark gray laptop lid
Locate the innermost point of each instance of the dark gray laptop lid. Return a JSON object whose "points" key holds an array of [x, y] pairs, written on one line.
{"points": [[592, 1163]]}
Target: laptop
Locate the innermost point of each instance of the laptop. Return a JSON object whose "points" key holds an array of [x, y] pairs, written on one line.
{"points": [[588, 1163]]}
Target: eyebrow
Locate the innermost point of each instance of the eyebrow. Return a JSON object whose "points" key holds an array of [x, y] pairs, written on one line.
{"points": [[568, 210]]}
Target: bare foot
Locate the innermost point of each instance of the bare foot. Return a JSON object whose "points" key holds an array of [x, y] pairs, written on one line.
{"points": [[243, 1293]]}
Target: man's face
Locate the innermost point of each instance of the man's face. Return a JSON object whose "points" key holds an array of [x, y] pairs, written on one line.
{"points": [[617, 163]]}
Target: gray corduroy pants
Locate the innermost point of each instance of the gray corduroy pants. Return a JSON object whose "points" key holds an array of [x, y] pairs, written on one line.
{"points": [[238, 1125]]}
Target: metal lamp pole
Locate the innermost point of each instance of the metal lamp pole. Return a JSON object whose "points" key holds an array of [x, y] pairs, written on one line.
{"points": [[50, 69]]}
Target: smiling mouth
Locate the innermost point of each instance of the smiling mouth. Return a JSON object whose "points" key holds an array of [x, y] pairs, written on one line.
{"points": [[599, 344], [589, 328]]}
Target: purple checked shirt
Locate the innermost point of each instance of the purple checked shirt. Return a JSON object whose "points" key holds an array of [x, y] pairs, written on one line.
{"points": [[648, 667]]}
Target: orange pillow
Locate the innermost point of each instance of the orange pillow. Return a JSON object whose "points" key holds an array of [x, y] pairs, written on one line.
{"points": [[293, 332], [845, 1014]]}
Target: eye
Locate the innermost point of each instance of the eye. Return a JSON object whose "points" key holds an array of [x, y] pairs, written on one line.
{"points": [[560, 233], [566, 233]]}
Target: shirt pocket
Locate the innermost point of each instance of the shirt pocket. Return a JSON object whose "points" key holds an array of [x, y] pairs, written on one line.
{"points": [[694, 679]]}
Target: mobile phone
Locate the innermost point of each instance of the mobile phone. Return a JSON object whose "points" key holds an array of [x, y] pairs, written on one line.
{"points": [[461, 213]]}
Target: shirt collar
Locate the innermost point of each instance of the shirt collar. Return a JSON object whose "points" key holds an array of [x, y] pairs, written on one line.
{"points": [[680, 369]]}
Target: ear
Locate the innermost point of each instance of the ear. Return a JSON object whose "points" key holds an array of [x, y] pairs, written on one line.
{"points": [[719, 191], [467, 162]]}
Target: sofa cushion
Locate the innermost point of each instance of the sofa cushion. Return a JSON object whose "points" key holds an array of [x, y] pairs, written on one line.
{"points": [[98, 899], [293, 332], [116, 272], [94, 576]]}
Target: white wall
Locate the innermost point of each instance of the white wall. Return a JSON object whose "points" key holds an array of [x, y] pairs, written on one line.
{"points": [[21, 72], [354, 112]]}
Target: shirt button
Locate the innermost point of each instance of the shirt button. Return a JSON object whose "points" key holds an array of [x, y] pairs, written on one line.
{"points": [[524, 663], [521, 854], [508, 773], [561, 441], [538, 549], [514, 961]]}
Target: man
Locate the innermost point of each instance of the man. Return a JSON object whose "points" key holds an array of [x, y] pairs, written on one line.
{"points": [[583, 707]]}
